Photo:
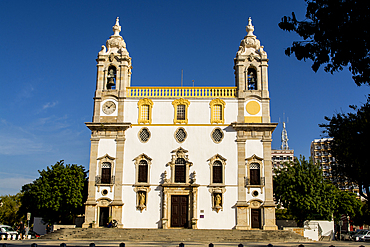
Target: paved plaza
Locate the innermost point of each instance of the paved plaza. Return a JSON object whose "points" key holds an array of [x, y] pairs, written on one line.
{"points": [[57, 243]]}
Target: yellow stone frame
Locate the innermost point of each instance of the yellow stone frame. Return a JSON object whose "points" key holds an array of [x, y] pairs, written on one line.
{"points": [[140, 105], [177, 102], [212, 104]]}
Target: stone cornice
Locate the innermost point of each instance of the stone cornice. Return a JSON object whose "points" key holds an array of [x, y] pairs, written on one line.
{"points": [[108, 126], [254, 126]]}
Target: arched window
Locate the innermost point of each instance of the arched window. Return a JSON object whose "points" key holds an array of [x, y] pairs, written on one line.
{"points": [[143, 171], [217, 111], [252, 79], [142, 167], [217, 172], [106, 173], [145, 111], [255, 174], [111, 78], [180, 169], [181, 112]]}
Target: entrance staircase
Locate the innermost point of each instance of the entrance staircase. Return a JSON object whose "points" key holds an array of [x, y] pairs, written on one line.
{"points": [[174, 235]]}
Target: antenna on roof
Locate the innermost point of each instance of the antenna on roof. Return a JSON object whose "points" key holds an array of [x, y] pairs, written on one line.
{"points": [[182, 76], [284, 136], [193, 83]]}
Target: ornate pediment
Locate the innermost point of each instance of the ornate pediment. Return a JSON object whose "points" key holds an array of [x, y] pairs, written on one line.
{"points": [[106, 157], [216, 157], [254, 158], [141, 157]]}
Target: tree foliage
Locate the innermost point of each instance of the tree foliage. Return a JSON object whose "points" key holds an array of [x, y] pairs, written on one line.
{"points": [[9, 208], [301, 188], [306, 195], [335, 34], [58, 194], [351, 135]]}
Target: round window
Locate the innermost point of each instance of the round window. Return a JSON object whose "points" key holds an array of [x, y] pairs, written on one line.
{"points": [[217, 135], [255, 193], [104, 192], [180, 135], [144, 135]]}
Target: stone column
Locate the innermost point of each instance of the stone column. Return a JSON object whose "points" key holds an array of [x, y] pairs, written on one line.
{"points": [[117, 204], [241, 205], [90, 210], [269, 204]]}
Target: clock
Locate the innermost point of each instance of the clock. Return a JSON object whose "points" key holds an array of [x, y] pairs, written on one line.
{"points": [[109, 107]]}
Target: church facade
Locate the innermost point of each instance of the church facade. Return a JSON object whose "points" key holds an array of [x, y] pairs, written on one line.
{"points": [[181, 157]]}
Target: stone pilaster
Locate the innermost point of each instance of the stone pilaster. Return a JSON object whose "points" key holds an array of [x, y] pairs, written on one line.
{"points": [[241, 205], [269, 204], [117, 203], [90, 208]]}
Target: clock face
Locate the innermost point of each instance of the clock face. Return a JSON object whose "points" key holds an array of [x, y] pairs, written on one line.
{"points": [[109, 107]]}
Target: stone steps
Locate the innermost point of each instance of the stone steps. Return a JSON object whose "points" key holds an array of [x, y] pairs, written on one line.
{"points": [[175, 235]]}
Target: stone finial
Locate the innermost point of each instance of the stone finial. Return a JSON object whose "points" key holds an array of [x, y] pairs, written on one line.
{"points": [[116, 28], [250, 45], [250, 28], [115, 43]]}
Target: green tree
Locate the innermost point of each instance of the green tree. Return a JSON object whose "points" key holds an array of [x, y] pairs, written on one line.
{"points": [[335, 34], [301, 188], [9, 207], [348, 204], [351, 135], [58, 194]]}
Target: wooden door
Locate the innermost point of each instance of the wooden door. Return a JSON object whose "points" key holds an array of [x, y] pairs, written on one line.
{"points": [[104, 216], [256, 218], [179, 211]]}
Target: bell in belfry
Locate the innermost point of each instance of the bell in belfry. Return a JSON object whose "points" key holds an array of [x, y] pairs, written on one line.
{"points": [[111, 79]]}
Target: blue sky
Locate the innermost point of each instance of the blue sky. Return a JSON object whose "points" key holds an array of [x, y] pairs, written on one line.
{"points": [[48, 70]]}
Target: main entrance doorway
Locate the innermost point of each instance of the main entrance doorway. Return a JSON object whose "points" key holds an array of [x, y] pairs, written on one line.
{"points": [[179, 211], [104, 216], [256, 218]]}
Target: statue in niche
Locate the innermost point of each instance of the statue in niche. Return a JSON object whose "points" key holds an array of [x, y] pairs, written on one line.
{"points": [[252, 80], [142, 199], [217, 200], [111, 84]]}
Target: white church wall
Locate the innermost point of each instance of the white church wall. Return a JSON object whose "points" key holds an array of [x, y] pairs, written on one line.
{"points": [[225, 218]]}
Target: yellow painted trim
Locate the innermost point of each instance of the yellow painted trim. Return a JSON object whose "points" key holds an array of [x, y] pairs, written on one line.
{"points": [[253, 119], [140, 105], [214, 125], [177, 102], [212, 104], [253, 107], [186, 92]]}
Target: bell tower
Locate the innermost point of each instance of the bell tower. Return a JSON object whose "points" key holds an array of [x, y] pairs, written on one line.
{"points": [[108, 133], [251, 80], [113, 76], [253, 126]]}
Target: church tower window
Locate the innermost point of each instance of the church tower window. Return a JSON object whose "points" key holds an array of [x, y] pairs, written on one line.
{"points": [[106, 173], [255, 174], [252, 79], [111, 77]]}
